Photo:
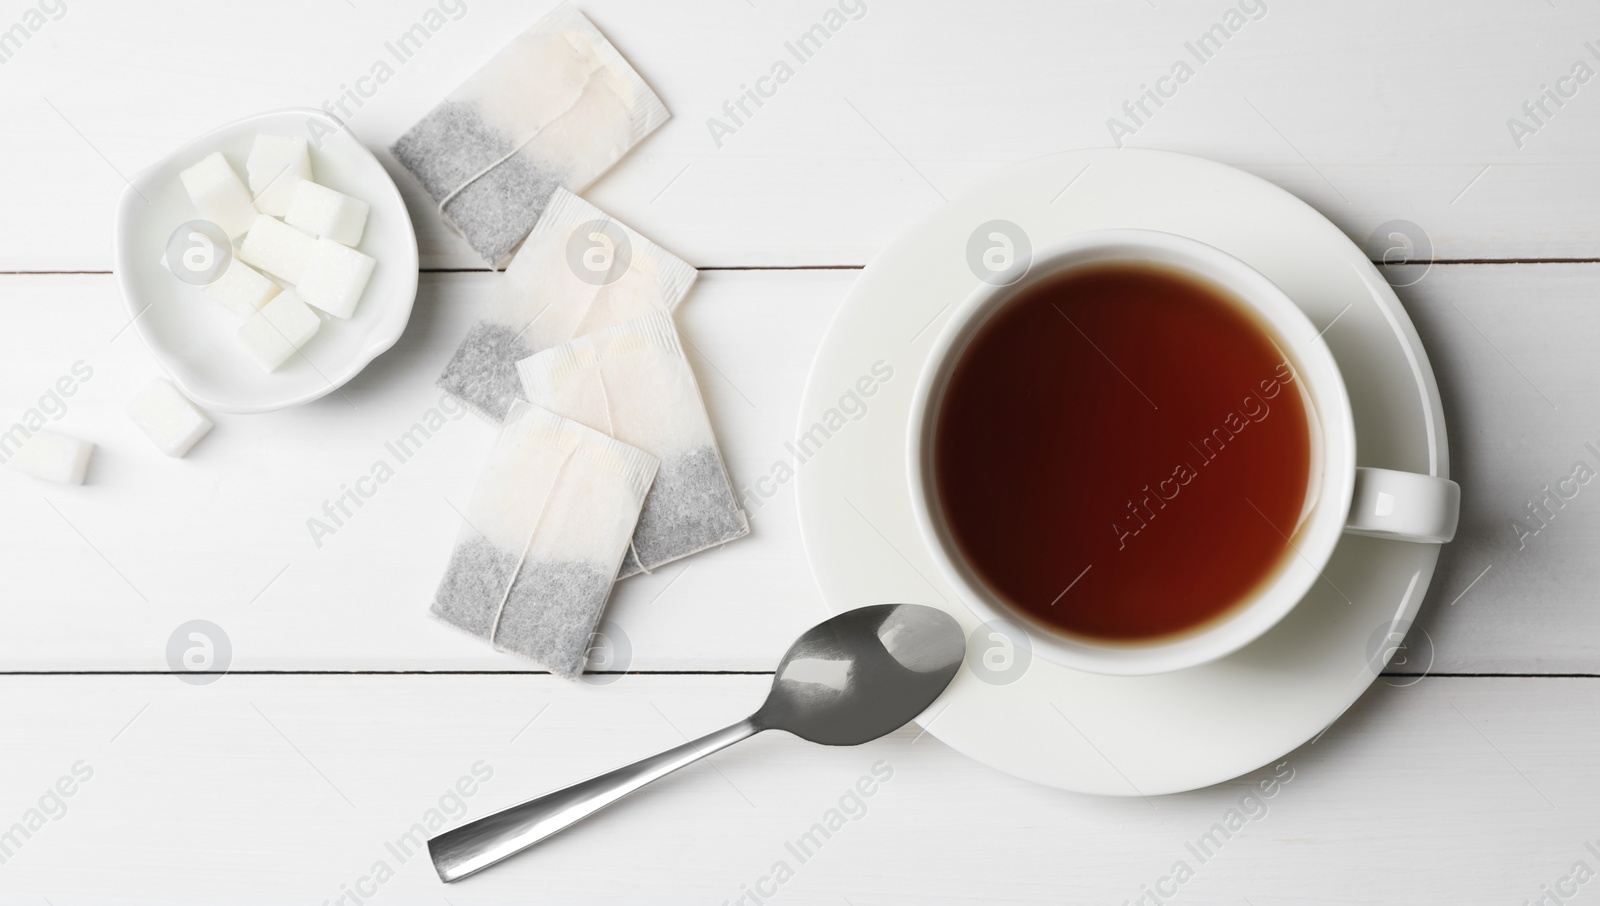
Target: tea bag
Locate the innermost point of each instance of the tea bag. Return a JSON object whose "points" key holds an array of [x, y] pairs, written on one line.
{"points": [[578, 272], [633, 382], [556, 107], [542, 538]]}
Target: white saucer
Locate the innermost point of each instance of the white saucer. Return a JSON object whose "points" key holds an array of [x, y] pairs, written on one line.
{"points": [[1081, 731]]}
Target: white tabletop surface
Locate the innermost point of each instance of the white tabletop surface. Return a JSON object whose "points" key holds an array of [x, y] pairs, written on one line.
{"points": [[1464, 775]]}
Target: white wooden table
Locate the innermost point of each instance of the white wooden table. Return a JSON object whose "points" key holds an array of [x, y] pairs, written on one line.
{"points": [[349, 714]]}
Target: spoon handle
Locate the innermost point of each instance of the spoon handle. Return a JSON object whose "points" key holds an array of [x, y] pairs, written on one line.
{"points": [[474, 846]]}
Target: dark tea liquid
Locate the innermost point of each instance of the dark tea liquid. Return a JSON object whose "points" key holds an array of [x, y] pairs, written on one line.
{"points": [[1122, 452]]}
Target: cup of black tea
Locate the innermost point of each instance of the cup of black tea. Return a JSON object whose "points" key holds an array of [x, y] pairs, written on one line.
{"points": [[1144, 451]]}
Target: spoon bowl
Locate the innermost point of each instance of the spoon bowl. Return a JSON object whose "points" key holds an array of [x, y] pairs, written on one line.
{"points": [[864, 673], [848, 680]]}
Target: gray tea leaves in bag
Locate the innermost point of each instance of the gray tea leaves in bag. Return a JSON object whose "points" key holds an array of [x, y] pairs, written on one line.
{"points": [[633, 382], [542, 538], [579, 271], [557, 107]]}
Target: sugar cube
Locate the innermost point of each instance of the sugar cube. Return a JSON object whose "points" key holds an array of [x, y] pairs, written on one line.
{"points": [[216, 190], [52, 457], [241, 289], [335, 277], [321, 211], [282, 326], [167, 417], [276, 164], [277, 248]]}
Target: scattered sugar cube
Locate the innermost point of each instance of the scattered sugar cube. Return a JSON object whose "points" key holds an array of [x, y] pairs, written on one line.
{"points": [[335, 278], [241, 289], [277, 248], [53, 457], [276, 164], [167, 417], [321, 211], [216, 190], [282, 326]]}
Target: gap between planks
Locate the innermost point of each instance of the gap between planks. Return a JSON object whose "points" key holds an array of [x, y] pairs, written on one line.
{"points": [[6, 673], [856, 267]]}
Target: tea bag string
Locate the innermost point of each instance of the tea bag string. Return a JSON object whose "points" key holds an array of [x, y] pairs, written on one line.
{"points": [[485, 171], [533, 320], [606, 400], [588, 309], [505, 596]]}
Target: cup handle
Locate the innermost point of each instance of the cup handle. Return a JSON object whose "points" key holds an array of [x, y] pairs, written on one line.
{"points": [[1404, 506]]}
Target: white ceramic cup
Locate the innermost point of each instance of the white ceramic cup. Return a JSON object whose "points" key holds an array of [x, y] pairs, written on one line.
{"points": [[1341, 498]]}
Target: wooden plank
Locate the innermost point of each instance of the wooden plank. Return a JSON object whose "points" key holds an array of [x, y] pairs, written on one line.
{"points": [[282, 789], [223, 534], [1341, 104], [1513, 356], [150, 542]]}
